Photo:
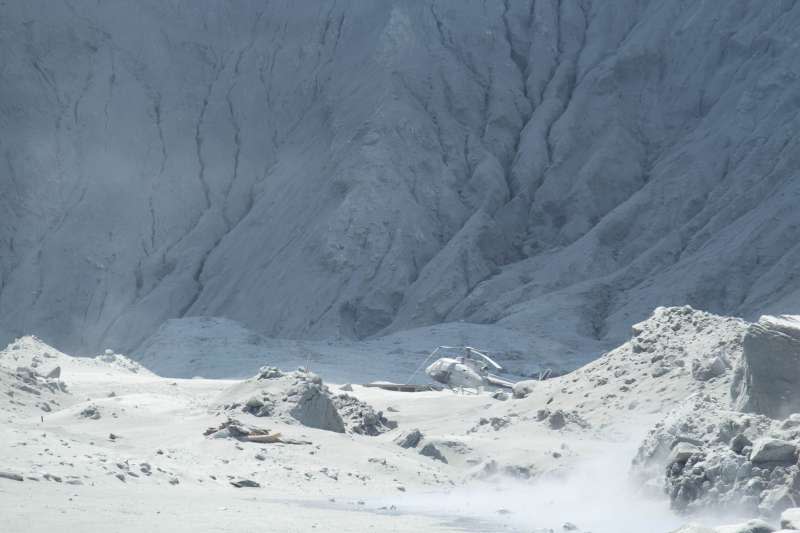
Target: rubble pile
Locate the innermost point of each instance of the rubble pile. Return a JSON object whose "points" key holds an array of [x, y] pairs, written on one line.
{"points": [[360, 417], [234, 429], [302, 396]]}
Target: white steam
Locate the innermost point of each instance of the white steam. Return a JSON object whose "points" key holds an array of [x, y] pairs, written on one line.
{"points": [[596, 495]]}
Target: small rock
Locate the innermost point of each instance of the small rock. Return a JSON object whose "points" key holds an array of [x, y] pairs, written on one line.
{"points": [[430, 450], [254, 403], [410, 439], [659, 371], [556, 420], [10, 475], [500, 396], [739, 443], [681, 453], [523, 388], [91, 412], [245, 483], [704, 371]]}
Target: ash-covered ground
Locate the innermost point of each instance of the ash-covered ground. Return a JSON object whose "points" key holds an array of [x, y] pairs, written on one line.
{"points": [[683, 424]]}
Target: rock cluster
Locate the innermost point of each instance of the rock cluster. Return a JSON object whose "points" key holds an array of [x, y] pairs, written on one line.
{"points": [[360, 417], [302, 396], [714, 459], [29, 380]]}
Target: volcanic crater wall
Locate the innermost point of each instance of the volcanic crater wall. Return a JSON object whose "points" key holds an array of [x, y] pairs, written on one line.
{"points": [[344, 168]]}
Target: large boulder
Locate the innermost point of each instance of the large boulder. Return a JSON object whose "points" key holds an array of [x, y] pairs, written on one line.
{"points": [[769, 450], [768, 378], [313, 407]]}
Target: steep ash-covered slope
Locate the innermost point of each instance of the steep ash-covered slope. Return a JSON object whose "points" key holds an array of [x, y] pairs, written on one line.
{"points": [[347, 169]]}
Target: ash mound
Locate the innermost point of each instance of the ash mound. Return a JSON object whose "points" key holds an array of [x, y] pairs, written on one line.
{"points": [[301, 396]]}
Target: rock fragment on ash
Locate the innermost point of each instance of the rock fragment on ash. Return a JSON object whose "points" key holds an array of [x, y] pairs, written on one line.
{"points": [[430, 450], [245, 483], [410, 439]]}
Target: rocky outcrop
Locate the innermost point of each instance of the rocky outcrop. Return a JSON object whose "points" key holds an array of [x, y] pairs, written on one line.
{"points": [[301, 396], [768, 380], [710, 459]]}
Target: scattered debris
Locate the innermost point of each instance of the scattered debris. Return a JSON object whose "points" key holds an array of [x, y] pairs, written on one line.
{"points": [[232, 428], [717, 460]]}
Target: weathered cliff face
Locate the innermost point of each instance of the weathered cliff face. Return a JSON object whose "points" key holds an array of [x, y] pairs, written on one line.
{"points": [[768, 379], [351, 168]]}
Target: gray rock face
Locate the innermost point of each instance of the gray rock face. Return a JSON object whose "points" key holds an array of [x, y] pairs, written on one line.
{"points": [[362, 167], [314, 408], [768, 380]]}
